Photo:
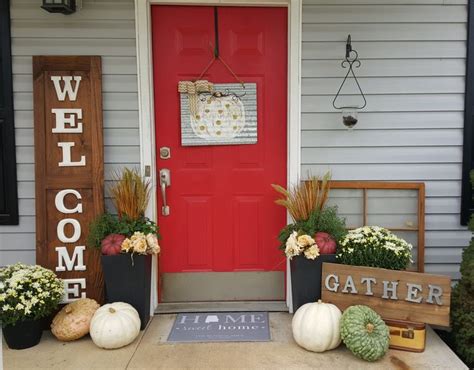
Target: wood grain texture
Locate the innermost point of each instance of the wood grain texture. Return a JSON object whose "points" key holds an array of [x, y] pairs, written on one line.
{"points": [[50, 178], [388, 308]]}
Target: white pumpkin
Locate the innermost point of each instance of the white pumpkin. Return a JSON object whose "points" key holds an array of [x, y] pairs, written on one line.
{"points": [[115, 325], [316, 326], [218, 118]]}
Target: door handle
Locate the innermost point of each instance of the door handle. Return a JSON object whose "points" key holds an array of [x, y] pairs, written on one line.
{"points": [[165, 181]]}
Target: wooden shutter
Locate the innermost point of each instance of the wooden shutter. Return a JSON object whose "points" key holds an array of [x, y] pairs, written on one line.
{"points": [[8, 189], [55, 171]]}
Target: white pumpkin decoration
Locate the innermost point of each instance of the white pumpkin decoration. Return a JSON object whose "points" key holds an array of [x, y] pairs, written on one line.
{"points": [[115, 325], [218, 117], [316, 326]]}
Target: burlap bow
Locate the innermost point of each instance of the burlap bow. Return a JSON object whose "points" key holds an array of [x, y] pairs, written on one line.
{"points": [[193, 89]]}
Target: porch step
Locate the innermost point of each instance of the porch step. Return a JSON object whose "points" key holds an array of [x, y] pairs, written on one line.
{"points": [[237, 306]]}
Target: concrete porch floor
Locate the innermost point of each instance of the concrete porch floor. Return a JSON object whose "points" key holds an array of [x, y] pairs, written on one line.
{"points": [[151, 351]]}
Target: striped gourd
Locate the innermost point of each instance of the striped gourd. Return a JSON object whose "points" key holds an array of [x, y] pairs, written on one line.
{"points": [[364, 332]]}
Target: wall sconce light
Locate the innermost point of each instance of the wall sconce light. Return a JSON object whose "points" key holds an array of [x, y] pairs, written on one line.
{"points": [[59, 6], [349, 112]]}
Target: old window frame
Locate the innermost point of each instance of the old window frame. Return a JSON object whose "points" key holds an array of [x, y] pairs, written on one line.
{"points": [[8, 177], [365, 186]]}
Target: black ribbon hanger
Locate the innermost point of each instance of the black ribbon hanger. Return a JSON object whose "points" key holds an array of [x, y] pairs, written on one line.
{"points": [[216, 54]]}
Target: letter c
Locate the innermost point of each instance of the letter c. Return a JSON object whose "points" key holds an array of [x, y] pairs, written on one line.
{"points": [[59, 201]]}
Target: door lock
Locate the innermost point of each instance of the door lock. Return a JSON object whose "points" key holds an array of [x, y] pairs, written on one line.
{"points": [[165, 152]]}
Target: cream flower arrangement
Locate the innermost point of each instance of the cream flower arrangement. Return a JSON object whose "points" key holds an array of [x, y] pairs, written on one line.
{"points": [[129, 231], [375, 246], [28, 293], [141, 244], [297, 244]]}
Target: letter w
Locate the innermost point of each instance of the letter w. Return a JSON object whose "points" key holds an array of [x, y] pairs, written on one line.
{"points": [[68, 89]]}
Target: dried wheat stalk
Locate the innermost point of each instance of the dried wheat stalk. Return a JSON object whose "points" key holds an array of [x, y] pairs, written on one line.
{"points": [[131, 193], [302, 199]]}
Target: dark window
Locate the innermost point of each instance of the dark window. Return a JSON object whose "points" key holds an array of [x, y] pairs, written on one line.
{"points": [[8, 190]]}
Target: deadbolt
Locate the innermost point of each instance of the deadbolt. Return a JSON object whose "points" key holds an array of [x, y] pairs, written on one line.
{"points": [[165, 152]]}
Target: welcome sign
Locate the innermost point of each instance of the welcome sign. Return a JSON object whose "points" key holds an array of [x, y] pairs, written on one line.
{"points": [[398, 295], [68, 169]]}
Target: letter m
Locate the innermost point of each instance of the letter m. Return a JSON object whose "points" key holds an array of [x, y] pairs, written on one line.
{"points": [[68, 89], [64, 259], [229, 318]]}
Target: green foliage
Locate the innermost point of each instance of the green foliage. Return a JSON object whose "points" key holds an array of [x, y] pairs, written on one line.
{"points": [[127, 226], [374, 246], [462, 304], [325, 220], [107, 224], [99, 228], [462, 323]]}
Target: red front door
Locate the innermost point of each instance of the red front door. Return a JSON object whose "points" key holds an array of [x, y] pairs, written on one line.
{"points": [[222, 212]]}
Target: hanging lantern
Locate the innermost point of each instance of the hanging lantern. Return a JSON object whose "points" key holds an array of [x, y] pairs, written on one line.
{"points": [[59, 6], [350, 112]]}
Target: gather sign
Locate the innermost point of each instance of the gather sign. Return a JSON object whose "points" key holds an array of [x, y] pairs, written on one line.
{"points": [[399, 295], [68, 169]]}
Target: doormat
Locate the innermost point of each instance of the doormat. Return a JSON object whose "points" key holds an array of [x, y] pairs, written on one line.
{"points": [[221, 327]]}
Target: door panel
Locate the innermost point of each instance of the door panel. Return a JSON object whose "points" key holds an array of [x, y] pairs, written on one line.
{"points": [[222, 212]]}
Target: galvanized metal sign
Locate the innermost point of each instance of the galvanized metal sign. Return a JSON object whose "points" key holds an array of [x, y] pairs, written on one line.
{"points": [[226, 116]]}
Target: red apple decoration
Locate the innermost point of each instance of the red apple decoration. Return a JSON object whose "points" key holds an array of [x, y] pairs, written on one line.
{"points": [[111, 245], [325, 242]]}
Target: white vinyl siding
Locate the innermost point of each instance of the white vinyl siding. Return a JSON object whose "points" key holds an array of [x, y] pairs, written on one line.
{"points": [[102, 27], [413, 69]]}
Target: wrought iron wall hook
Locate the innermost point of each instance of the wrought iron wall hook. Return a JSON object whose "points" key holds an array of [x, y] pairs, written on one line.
{"points": [[350, 61], [222, 94]]}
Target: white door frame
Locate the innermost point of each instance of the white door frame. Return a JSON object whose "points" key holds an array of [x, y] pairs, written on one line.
{"points": [[146, 102]]}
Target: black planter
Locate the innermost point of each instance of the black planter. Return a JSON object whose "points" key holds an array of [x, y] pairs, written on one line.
{"points": [[129, 281], [24, 334], [306, 278]]}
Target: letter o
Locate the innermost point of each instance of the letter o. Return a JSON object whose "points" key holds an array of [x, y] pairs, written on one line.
{"points": [[77, 230]]}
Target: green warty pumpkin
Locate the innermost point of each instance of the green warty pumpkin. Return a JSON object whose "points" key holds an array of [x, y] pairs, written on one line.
{"points": [[364, 332]]}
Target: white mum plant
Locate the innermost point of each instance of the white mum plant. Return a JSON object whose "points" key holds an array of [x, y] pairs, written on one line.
{"points": [[375, 246], [28, 293]]}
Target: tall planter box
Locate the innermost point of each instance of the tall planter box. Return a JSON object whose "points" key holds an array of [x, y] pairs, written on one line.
{"points": [[306, 278], [129, 281]]}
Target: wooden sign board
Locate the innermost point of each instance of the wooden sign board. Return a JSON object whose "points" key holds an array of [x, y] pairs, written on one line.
{"points": [[398, 295], [68, 169]]}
